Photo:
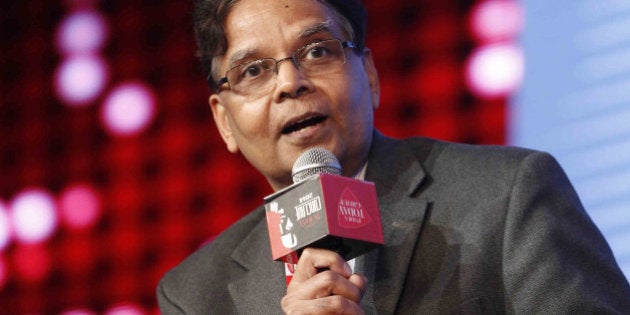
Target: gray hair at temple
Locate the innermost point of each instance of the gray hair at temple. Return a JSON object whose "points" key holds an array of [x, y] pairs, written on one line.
{"points": [[209, 18]]}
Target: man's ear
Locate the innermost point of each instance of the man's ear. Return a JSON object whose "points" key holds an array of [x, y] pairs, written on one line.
{"points": [[222, 120], [370, 69]]}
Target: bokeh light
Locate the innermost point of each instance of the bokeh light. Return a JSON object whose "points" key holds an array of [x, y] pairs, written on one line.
{"points": [[494, 70], [495, 20], [128, 109], [31, 262], [5, 227], [79, 206], [78, 311], [82, 32], [33, 215], [125, 309], [80, 79]]}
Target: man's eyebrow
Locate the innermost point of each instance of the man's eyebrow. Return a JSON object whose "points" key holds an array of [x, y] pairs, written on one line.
{"points": [[325, 26], [239, 56]]}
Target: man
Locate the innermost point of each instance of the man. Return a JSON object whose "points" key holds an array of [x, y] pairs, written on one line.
{"points": [[468, 229]]}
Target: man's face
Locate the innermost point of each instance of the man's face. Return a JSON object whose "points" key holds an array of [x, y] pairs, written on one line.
{"points": [[334, 111]]}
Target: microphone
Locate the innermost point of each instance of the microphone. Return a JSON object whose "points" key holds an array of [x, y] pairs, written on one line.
{"points": [[315, 161], [322, 209]]}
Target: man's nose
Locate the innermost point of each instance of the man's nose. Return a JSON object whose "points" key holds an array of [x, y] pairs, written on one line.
{"points": [[291, 82]]}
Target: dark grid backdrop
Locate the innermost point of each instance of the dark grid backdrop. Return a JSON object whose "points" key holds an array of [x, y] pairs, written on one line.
{"points": [[175, 186]]}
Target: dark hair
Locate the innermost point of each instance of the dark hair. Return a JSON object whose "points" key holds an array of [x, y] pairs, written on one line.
{"points": [[209, 18]]}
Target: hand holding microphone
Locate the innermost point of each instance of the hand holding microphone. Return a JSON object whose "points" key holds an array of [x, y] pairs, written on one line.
{"points": [[323, 210], [333, 291], [325, 219]]}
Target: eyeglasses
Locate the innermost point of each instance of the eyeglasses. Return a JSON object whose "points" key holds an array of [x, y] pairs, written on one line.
{"points": [[257, 77]]}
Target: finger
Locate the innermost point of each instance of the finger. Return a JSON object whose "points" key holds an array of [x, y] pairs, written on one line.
{"points": [[313, 260], [334, 304], [328, 283], [359, 281], [331, 283]]}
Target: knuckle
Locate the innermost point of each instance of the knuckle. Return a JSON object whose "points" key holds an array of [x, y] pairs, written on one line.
{"points": [[284, 302], [337, 302], [287, 305], [328, 276], [307, 255], [307, 252]]}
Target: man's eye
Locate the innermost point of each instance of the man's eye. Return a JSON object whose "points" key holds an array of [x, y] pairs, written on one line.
{"points": [[317, 51], [251, 70]]}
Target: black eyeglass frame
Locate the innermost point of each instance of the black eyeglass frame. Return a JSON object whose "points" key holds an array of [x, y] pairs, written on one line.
{"points": [[223, 80]]}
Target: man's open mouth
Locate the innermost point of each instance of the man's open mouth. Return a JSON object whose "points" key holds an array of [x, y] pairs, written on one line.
{"points": [[299, 125]]}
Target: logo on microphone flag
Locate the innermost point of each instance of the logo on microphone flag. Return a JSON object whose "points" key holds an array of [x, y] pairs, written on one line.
{"points": [[277, 218], [351, 213]]}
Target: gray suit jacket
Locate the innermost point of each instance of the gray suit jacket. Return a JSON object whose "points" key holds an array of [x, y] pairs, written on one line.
{"points": [[468, 229]]}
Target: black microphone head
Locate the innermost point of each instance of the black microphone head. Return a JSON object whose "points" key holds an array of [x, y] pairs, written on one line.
{"points": [[314, 161]]}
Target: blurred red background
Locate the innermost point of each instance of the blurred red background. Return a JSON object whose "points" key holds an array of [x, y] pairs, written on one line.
{"points": [[150, 197]]}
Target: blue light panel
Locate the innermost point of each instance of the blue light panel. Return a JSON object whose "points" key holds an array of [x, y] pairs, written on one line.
{"points": [[575, 104]]}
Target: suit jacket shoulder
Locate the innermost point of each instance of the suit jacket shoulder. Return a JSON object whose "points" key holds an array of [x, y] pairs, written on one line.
{"points": [[213, 280], [504, 231]]}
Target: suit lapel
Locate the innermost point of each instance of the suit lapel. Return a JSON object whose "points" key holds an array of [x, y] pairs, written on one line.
{"points": [[398, 175], [263, 283]]}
